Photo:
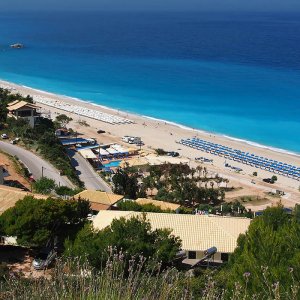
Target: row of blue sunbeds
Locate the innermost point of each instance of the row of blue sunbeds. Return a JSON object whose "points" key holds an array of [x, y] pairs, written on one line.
{"points": [[243, 157]]}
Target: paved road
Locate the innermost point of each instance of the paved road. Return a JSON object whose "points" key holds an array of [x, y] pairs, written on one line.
{"points": [[87, 174], [35, 164]]}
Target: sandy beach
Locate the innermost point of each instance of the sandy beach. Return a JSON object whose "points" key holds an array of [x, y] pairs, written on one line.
{"points": [[160, 134]]}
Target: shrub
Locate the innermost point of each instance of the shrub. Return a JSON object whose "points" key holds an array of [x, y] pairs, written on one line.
{"points": [[44, 185], [34, 221]]}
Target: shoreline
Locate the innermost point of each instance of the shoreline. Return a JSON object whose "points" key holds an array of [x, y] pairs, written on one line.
{"points": [[181, 126], [157, 133]]}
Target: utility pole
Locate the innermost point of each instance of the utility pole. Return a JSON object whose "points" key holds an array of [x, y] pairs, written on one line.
{"points": [[42, 171], [99, 157]]}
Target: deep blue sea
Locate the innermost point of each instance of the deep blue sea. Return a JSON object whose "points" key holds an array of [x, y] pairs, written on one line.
{"points": [[231, 74]]}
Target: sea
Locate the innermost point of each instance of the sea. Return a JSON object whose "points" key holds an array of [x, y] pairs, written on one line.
{"points": [[232, 74]]}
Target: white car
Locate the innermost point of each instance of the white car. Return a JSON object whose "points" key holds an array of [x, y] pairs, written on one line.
{"points": [[4, 136]]}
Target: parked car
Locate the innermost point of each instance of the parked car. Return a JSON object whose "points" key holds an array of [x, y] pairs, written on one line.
{"points": [[173, 154], [4, 136], [131, 141], [44, 258], [100, 131], [268, 180]]}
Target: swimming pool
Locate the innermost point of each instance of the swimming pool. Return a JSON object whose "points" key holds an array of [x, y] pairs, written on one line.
{"points": [[113, 164]]}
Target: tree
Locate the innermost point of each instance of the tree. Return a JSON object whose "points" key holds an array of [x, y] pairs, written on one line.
{"points": [[126, 183], [6, 97], [3, 112], [63, 120], [44, 185], [133, 236], [35, 221], [274, 178], [268, 253]]}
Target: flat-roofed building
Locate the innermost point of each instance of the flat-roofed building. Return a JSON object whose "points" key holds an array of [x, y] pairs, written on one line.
{"points": [[22, 109], [99, 200], [161, 204], [197, 232]]}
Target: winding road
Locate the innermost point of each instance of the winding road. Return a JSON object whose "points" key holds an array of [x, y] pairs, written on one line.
{"points": [[87, 174], [35, 164]]}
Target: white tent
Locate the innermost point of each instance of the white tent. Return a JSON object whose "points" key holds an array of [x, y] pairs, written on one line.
{"points": [[88, 153]]}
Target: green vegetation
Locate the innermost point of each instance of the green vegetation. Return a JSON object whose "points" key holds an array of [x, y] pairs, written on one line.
{"points": [[63, 120], [265, 264], [254, 174], [267, 256], [6, 97], [44, 186], [66, 191], [175, 183], [139, 280], [35, 221], [227, 209], [41, 138], [160, 151], [134, 237], [134, 206], [126, 183], [47, 186], [274, 178], [72, 280]]}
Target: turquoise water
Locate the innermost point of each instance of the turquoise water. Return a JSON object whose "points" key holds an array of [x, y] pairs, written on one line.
{"points": [[228, 74], [113, 164]]}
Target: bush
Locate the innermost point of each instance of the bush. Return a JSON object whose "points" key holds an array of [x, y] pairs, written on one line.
{"points": [[268, 253], [134, 206], [34, 221], [160, 151], [133, 236], [66, 191], [44, 186]]}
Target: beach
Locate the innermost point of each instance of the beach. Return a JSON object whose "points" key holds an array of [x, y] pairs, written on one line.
{"points": [[160, 134]]}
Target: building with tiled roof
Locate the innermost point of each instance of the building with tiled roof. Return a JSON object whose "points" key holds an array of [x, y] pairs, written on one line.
{"points": [[9, 196], [197, 232], [161, 204], [22, 109], [99, 200]]}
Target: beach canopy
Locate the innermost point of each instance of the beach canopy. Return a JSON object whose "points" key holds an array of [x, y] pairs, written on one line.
{"points": [[102, 152], [88, 154]]}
